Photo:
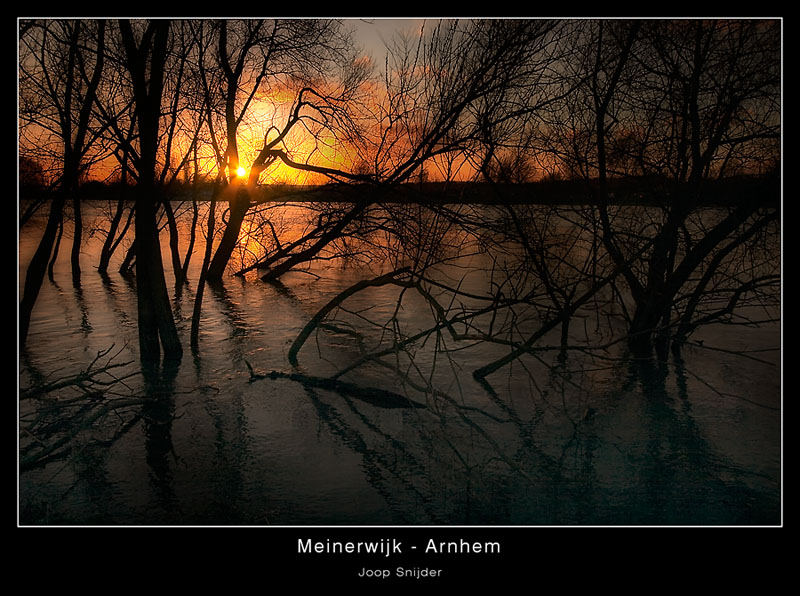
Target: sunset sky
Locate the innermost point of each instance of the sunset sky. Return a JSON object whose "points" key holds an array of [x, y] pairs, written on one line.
{"points": [[364, 120], [270, 108]]}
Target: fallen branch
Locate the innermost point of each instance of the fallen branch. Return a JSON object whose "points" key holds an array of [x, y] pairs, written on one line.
{"points": [[89, 381], [381, 280], [381, 398]]}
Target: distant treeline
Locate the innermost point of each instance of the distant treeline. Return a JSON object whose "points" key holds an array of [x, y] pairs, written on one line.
{"points": [[624, 191]]}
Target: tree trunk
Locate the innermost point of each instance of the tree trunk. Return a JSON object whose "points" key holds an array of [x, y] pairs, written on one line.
{"points": [[53, 258], [238, 209], [173, 243], [192, 238], [198, 299], [156, 321], [38, 266], [562, 353], [641, 330], [76, 241], [105, 253], [146, 65], [130, 257]]}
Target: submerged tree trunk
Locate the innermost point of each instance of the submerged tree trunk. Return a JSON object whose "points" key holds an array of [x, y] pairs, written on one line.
{"points": [[198, 299], [172, 225], [109, 244], [130, 258], [38, 266], [53, 258], [564, 346], [190, 247], [146, 64], [156, 321], [75, 257], [238, 210]]}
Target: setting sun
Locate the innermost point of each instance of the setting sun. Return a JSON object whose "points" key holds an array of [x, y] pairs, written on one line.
{"points": [[241, 172]]}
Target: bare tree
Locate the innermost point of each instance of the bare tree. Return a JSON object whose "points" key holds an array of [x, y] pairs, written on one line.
{"points": [[250, 58], [661, 112], [145, 52], [437, 96], [61, 64]]}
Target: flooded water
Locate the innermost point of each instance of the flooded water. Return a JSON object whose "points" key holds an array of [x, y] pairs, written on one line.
{"points": [[584, 440]]}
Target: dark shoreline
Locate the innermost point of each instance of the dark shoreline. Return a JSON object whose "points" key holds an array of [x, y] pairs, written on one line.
{"points": [[641, 192]]}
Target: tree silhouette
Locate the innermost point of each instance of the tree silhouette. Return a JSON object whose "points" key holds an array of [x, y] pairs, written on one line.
{"points": [[55, 69], [145, 53], [251, 56], [676, 101]]}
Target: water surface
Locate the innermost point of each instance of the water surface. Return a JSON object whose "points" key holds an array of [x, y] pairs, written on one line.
{"points": [[582, 441]]}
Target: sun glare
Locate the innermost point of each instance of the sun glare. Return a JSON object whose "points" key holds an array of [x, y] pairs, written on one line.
{"points": [[241, 172]]}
